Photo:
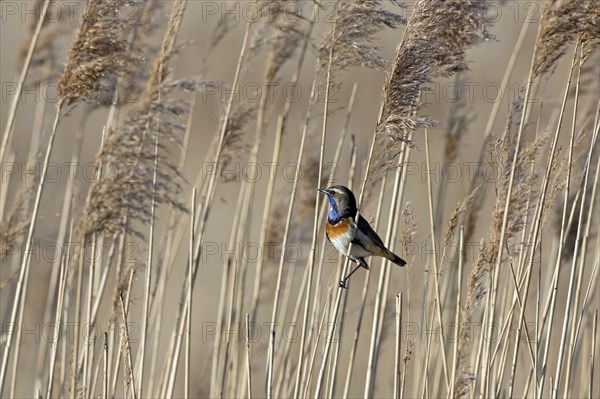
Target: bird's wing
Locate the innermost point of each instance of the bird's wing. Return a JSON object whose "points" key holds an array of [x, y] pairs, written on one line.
{"points": [[365, 228]]}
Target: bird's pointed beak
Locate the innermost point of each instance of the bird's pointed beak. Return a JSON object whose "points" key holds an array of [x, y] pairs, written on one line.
{"points": [[323, 190]]}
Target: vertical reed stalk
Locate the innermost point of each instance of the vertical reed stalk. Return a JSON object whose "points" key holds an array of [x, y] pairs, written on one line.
{"points": [[127, 349], [594, 337], [248, 359], [60, 295], [60, 238], [284, 246], [491, 307], [25, 263], [149, 262], [364, 296], [12, 113], [436, 270], [106, 377], [397, 370], [397, 194], [188, 335], [561, 241], [461, 261], [570, 293]]}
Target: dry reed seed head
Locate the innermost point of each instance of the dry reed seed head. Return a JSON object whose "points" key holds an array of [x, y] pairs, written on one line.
{"points": [[409, 231], [350, 37], [125, 352], [235, 147], [589, 82], [463, 382], [393, 141], [398, 129], [128, 188], [564, 22], [146, 21], [280, 25], [460, 210], [524, 183], [408, 353], [289, 28], [525, 177], [157, 121], [590, 33], [434, 44], [558, 172], [121, 288], [15, 223], [97, 52], [161, 66], [12, 234]]}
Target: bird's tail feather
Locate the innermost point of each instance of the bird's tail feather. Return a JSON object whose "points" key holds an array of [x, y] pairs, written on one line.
{"points": [[395, 258]]}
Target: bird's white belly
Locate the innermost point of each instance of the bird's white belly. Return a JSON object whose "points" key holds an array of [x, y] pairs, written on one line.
{"points": [[342, 243]]}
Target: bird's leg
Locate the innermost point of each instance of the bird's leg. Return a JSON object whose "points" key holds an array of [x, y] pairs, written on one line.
{"points": [[343, 281]]}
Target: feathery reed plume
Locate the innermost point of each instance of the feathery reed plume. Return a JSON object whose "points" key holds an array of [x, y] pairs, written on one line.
{"points": [[476, 283], [127, 187], [14, 226], [122, 286], [98, 51], [234, 146], [347, 43], [525, 178], [564, 22], [288, 33], [132, 148], [501, 152], [15, 223], [161, 67], [589, 34], [351, 37], [434, 44], [409, 231], [464, 205]]}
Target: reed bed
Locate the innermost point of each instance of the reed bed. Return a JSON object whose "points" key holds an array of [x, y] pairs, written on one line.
{"points": [[161, 232]]}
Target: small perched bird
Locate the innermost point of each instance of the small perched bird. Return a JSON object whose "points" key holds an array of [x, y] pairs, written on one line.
{"points": [[342, 229]]}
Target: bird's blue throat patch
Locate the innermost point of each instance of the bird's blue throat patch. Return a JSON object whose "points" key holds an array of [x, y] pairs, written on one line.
{"points": [[333, 216]]}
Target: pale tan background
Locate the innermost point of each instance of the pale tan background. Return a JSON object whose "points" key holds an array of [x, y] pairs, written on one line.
{"points": [[487, 64]]}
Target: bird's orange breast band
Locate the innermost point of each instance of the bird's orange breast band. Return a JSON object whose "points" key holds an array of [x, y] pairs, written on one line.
{"points": [[335, 230]]}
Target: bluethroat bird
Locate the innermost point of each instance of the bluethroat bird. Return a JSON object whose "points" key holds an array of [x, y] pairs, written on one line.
{"points": [[342, 229]]}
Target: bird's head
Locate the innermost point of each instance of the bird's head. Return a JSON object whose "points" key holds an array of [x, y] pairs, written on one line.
{"points": [[341, 202]]}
